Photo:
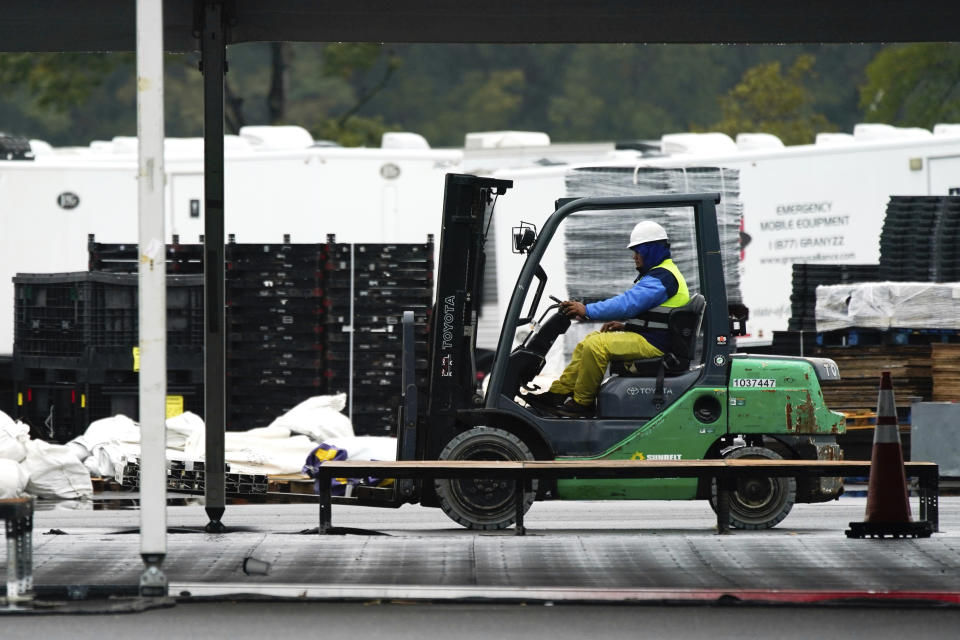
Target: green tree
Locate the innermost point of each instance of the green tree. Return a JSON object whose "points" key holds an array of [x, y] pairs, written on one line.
{"points": [[915, 85], [56, 82], [770, 101], [45, 94], [444, 91]]}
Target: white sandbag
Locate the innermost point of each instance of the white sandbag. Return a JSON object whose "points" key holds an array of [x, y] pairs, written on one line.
{"points": [[254, 454], [265, 450], [13, 479], [79, 449], [109, 458], [185, 423], [273, 432], [13, 438], [93, 466], [367, 447], [318, 417], [118, 428], [55, 472], [181, 427], [112, 457]]}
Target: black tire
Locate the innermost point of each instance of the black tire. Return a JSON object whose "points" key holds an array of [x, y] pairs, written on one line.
{"points": [[759, 502], [483, 503]]}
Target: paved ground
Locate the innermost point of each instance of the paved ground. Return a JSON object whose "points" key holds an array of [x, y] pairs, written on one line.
{"points": [[596, 551], [410, 621], [426, 577]]}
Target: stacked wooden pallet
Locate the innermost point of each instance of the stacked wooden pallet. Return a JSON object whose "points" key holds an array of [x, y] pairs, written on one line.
{"points": [[945, 369], [910, 367]]}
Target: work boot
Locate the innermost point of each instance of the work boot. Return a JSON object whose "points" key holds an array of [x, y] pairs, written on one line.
{"points": [[573, 409], [546, 401]]}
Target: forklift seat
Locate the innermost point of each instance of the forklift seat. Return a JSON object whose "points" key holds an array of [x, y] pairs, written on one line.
{"points": [[683, 327]]}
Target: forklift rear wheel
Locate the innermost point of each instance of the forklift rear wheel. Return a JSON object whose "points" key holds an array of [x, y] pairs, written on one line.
{"points": [[759, 502], [483, 503]]}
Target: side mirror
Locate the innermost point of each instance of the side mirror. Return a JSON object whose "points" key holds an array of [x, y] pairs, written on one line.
{"points": [[523, 237]]}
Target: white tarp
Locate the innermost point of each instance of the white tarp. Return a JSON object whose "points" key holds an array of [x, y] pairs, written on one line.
{"points": [[13, 479], [13, 438], [888, 305], [318, 417], [278, 448], [63, 471], [55, 472]]}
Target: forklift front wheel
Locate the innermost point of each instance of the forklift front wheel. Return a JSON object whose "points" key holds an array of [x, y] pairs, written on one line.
{"points": [[759, 502], [483, 503]]}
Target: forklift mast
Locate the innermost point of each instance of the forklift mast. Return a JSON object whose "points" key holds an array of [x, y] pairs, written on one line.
{"points": [[468, 204]]}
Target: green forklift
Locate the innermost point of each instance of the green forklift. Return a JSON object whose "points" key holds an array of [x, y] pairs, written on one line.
{"points": [[701, 400]]}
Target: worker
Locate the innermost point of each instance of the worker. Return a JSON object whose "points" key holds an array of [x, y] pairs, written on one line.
{"points": [[660, 283]]}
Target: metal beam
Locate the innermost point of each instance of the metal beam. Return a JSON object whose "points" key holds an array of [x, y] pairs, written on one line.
{"points": [[152, 301], [213, 66], [107, 25]]}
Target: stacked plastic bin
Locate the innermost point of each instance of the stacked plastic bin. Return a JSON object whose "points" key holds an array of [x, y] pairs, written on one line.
{"points": [[275, 317], [947, 249], [368, 287], [124, 258], [908, 239], [75, 348], [286, 305]]}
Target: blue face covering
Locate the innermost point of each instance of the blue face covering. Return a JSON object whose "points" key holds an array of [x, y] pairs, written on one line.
{"points": [[653, 253]]}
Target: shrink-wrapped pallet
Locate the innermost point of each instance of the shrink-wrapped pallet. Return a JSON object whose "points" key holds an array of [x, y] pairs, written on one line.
{"points": [[888, 305]]}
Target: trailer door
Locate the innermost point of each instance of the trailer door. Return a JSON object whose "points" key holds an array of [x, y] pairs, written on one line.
{"points": [[944, 176]]}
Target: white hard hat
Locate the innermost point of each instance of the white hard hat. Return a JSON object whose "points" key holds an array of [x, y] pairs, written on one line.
{"points": [[646, 231]]}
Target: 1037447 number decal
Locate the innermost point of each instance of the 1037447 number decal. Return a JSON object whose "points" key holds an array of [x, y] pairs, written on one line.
{"points": [[754, 383]]}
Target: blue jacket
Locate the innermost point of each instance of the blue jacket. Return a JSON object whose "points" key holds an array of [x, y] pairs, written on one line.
{"points": [[649, 291]]}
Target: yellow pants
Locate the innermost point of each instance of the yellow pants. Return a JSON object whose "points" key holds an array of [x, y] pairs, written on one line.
{"points": [[583, 375]]}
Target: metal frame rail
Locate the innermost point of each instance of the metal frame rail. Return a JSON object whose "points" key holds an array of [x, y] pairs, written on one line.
{"points": [[725, 472], [18, 514]]}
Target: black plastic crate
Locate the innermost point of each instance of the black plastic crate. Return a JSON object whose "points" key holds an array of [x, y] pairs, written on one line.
{"points": [[272, 401], [109, 399], [281, 254], [55, 412], [277, 357], [263, 386], [272, 295], [368, 306], [421, 250], [63, 313], [243, 271], [368, 341], [40, 370], [265, 348], [7, 395], [267, 328], [51, 314], [125, 258]]}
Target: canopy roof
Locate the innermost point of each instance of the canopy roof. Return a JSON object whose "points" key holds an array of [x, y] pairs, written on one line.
{"points": [[108, 25]]}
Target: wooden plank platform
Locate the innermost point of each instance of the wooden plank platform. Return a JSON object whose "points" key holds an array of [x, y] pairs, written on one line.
{"points": [[725, 472]]}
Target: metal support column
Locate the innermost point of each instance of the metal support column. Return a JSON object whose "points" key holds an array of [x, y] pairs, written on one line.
{"points": [[152, 298], [213, 66], [726, 485]]}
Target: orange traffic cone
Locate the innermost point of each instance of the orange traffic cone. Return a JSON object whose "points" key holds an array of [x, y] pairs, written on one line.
{"points": [[888, 503]]}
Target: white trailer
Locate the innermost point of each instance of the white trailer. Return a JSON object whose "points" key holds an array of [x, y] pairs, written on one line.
{"points": [[818, 203], [822, 202], [277, 181]]}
